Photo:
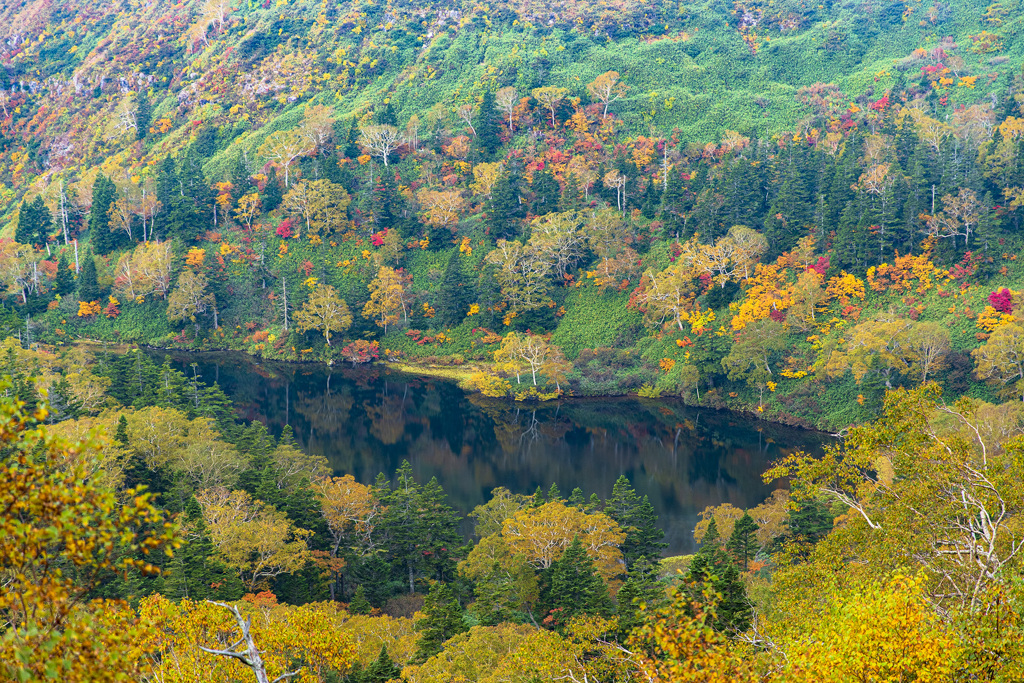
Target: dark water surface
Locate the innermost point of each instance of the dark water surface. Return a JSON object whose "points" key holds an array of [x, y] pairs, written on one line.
{"points": [[367, 420]]}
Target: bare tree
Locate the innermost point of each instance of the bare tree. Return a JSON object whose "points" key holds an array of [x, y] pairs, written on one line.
{"points": [[505, 101], [465, 114], [381, 140], [245, 650]]}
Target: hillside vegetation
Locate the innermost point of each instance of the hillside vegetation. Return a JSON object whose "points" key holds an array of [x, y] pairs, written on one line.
{"points": [[759, 206]]}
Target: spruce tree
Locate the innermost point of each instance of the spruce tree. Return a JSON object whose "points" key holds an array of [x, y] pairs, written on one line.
{"points": [[88, 285], [743, 541], [196, 570], [712, 564], [442, 620], [143, 114], [637, 518], [505, 209], [64, 283], [642, 587], [554, 493], [577, 500], [104, 194], [359, 603], [381, 670], [272, 194], [34, 223], [488, 130], [546, 193], [456, 294], [574, 588]]}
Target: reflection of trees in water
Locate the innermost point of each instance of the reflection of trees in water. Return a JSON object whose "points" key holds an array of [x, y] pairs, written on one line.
{"points": [[366, 421], [387, 416], [325, 411]]}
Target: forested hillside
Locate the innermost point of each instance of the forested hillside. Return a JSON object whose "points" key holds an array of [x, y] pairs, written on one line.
{"points": [[809, 212], [765, 207]]}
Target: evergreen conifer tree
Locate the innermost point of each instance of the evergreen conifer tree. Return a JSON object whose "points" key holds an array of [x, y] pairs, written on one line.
{"points": [[386, 115], [743, 541], [505, 209], [88, 285], [121, 435], [712, 564], [488, 130], [546, 193], [196, 571], [104, 194], [637, 518], [381, 670], [577, 500], [456, 294], [34, 223], [359, 603], [64, 283], [575, 587], [572, 197], [272, 194], [642, 586], [143, 114], [554, 493], [442, 620]]}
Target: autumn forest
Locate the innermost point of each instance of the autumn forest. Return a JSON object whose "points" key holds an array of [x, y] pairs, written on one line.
{"points": [[808, 214]]}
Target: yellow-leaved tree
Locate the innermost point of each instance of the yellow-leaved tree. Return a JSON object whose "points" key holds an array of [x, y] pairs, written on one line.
{"points": [[256, 540], [325, 312], [388, 298], [55, 514]]}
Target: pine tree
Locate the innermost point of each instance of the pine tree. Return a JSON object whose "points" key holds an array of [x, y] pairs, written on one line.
{"points": [[577, 500], [359, 603], [64, 283], [575, 587], [442, 620], [554, 493], [743, 541], [34, 223], [546, 193], [637, 518], [488, 130], [88, 285], [505, 209], [104, 194]]}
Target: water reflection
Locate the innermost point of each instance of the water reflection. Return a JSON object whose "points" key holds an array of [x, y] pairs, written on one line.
{"points": [[367, 420]]}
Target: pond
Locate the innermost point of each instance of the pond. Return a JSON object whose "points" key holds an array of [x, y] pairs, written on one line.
{"points": [[367, 420]]}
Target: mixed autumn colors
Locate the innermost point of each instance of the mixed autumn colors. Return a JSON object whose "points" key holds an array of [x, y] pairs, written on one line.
{"points": [[808, 214]]}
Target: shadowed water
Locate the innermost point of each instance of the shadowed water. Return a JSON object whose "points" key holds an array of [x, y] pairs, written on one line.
{"points": [[367, 420]]}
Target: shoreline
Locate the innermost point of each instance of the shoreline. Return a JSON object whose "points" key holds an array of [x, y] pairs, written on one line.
{"points": [[458, 374]]}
